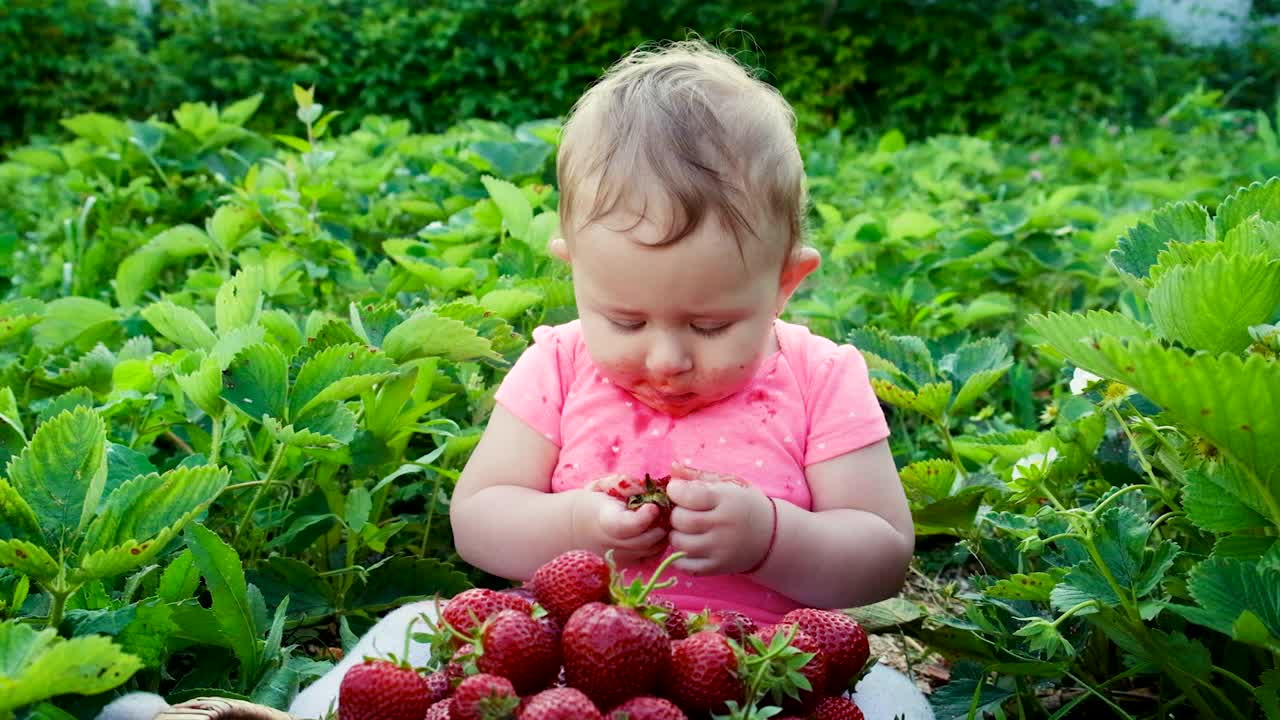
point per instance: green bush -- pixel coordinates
(922, 65)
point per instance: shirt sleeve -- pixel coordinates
(533, 389)
(844, 413)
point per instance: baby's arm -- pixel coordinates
(856, 545)
(507, 521)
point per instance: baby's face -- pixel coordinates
(679, 326)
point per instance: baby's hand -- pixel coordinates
(603, 522)
(722, 524)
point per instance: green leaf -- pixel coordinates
(14, 326)
(1268, 694)
(139, 271)
(150, 504)
(73, 319)
(337, 373)
(29, 559)
(239, 112)
(1121, 541)
(512, 159)
(199, 119)
(426, 334)
(516, 211)
(229, 224)
(1222, 498)
(1236, 416)
(61, 474)
(1077, 337)
(967, 691)
(545, 225)
(37, 664)
(928, 480)
(1043, 636)
(147, 636)
(510, 303)
(359, 505)
(1226, 590)
(98, 128)
(405, 579)
(180, 579)
(1183, 222)
(417, 258)
(1210, 305)
(180, 325)
(203, 385)
(949, 516)
(898, 355)
(1254, 236)
(1258, 199)
(913, 224)
(1036, 586)
(257, 381)
(931, 401)
(240, 300)
(224, 576)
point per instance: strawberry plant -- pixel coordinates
(1134, 541)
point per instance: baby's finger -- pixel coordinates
(696, 495)
(696, 565)
(680, 471)
(623, 523)
(694, 546)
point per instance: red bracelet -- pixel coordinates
(773, 536)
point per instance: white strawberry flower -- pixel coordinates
(1081, 380)
(1038, 463)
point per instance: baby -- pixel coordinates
(682, 211)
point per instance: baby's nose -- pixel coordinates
(666, 359)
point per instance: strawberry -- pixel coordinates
(483, 697)
(569, 581)
(439, 686)
(653, 491)
(836, 707)
(439, 711)
(560, 704)
(675, 622)
(703, 675)
(382, 690)
(731, 624)
(615, 652)
(468, 609)
(519, 648)
(647, 707)
(843, 642)
(795, 699)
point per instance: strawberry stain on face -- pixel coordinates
(608, 453)
(757, 396)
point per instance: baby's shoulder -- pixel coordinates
(807, 352)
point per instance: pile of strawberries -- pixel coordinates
(576, 644)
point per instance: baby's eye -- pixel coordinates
(627, 325)
(710, 330)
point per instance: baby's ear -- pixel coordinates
(559, 247)
(799, 264)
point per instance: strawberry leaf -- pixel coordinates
(1238, 598)
(1210, 305)
(256, 381)
(1262, 200)
(37, 664)
(180, 325)
(61, 475)
(1183, 222)
(224, 576)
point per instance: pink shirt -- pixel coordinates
(809, 402)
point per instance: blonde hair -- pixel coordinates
(689, 116)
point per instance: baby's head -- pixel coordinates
(682, 209)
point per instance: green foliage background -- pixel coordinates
(919, 65)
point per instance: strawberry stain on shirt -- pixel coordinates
(641, 420)
(608, 453)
